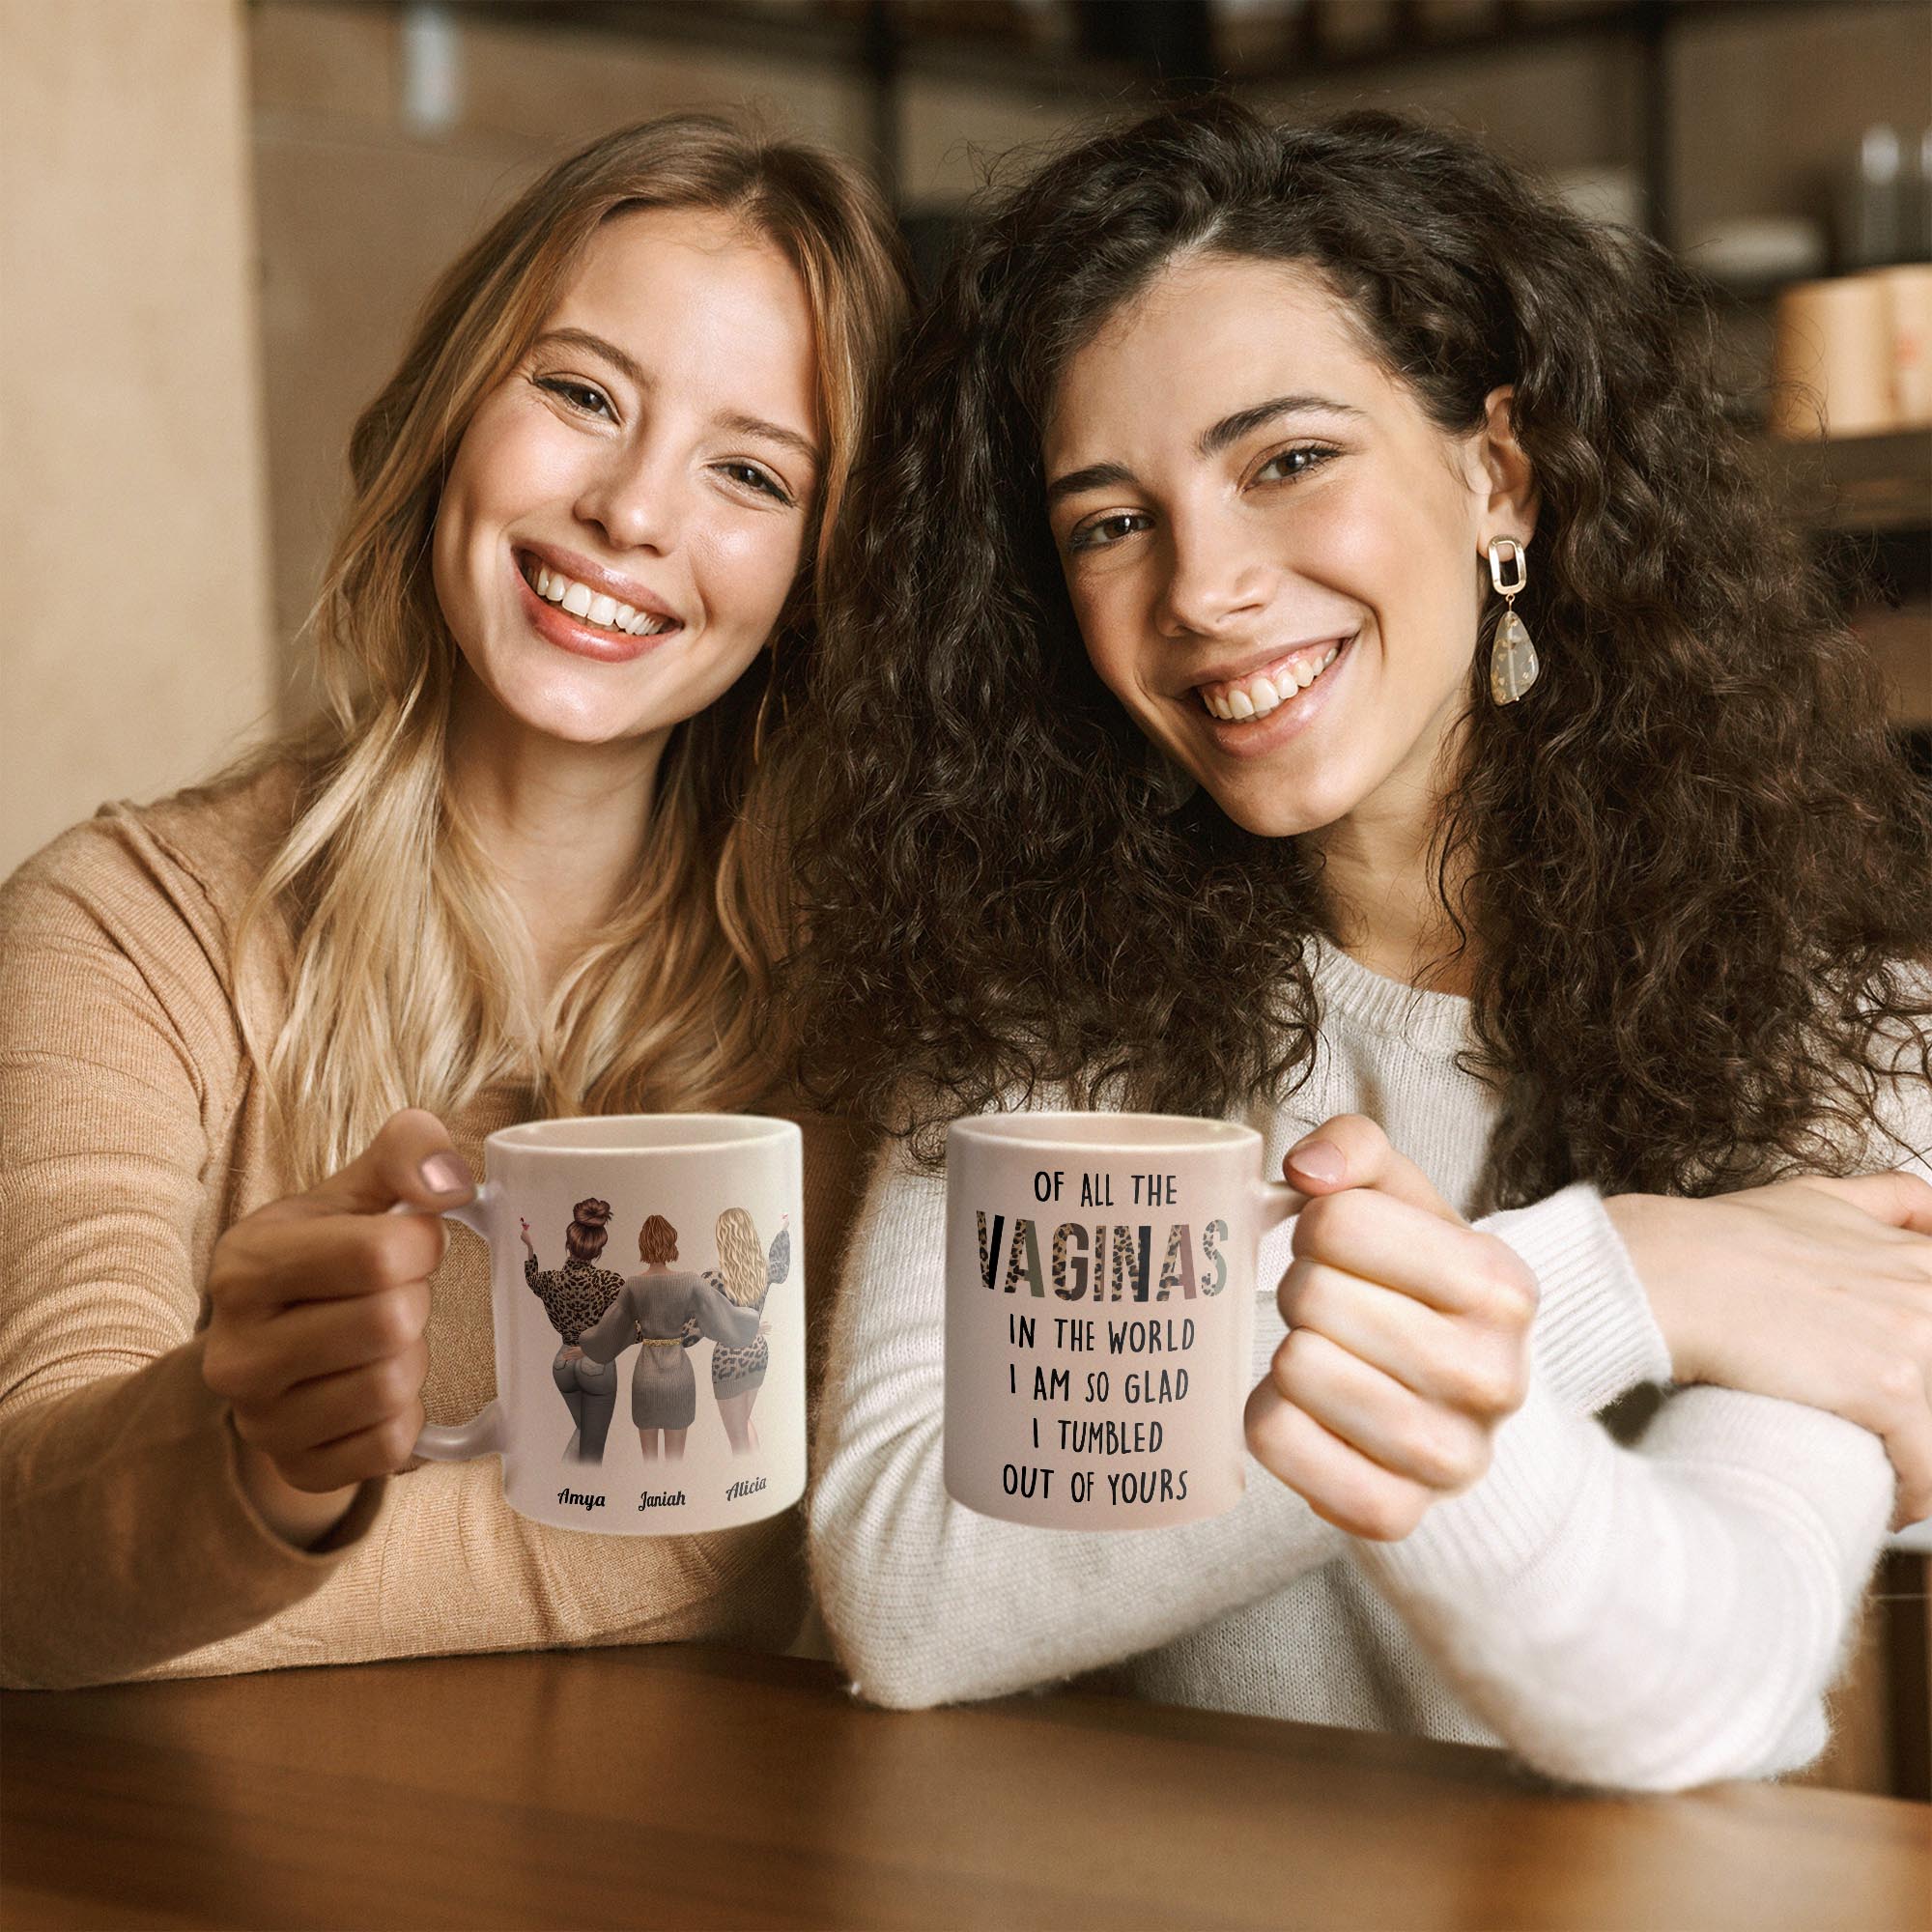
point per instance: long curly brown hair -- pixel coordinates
(1697, 884)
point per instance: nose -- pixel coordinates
(636, 498)
(1217, 577)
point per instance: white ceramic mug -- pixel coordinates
(1100, 1315)
(652, 1381)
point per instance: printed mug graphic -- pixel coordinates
(1100, 1315)
(661, 1312)
(587, 1320)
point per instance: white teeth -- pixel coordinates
(594, 607)
(1259, 694)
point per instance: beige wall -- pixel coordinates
(132, 537)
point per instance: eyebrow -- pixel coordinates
(1095, 476)
(1244, 422)
(634, 373)
(1230, 430)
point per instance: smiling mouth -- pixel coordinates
(1242, 700)
(594, 608)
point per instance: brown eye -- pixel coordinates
(1103, 533)
(592, 402)
(1290, 464)
(754, 478)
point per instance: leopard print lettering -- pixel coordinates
(1061, 1237)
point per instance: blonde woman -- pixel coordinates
(746, 1274)
(526, 865)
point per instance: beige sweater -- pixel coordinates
(134, 1131)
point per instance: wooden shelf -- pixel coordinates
(861, 37)
(1859, 484)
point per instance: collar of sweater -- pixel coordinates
(1436, 1023)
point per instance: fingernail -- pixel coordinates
(445, 1174)
(1319, 1160)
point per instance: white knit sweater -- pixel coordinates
(1649, 1618)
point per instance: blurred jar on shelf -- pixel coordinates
(1853, 356)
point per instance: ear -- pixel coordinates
(1503, 477)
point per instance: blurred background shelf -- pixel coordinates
(1868, 501)
(1861, 484)
(1129, 51)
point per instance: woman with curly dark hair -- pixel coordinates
(1319, 655)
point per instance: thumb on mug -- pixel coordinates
(412, 1161)
(1350, 1150)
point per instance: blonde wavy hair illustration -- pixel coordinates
(412, 980)
(741, 1257)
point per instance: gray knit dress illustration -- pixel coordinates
(652, 1312)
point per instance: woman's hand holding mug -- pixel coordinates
(1407, 1344)
(318, 1304)
(1812, 1289)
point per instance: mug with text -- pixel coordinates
(647, 1290)
(1100, 1315)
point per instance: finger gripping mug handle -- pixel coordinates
(483, 1434)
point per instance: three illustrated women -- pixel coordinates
(662, 1312)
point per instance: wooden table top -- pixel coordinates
(689, 1787)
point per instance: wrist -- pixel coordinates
(1646, 1225)
(299, 1517)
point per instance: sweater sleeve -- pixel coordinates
(927, 1602)
(1595, 1337)
(129, 1537)
(1660, 1616)
(1653, 1618)
(720, 1317)
(614, 1332)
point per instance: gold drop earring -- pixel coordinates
(1513, 661)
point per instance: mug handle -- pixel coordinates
(1279, 1201)
(483, 1434)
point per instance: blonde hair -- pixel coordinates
(741, 1257)
(412, 980)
